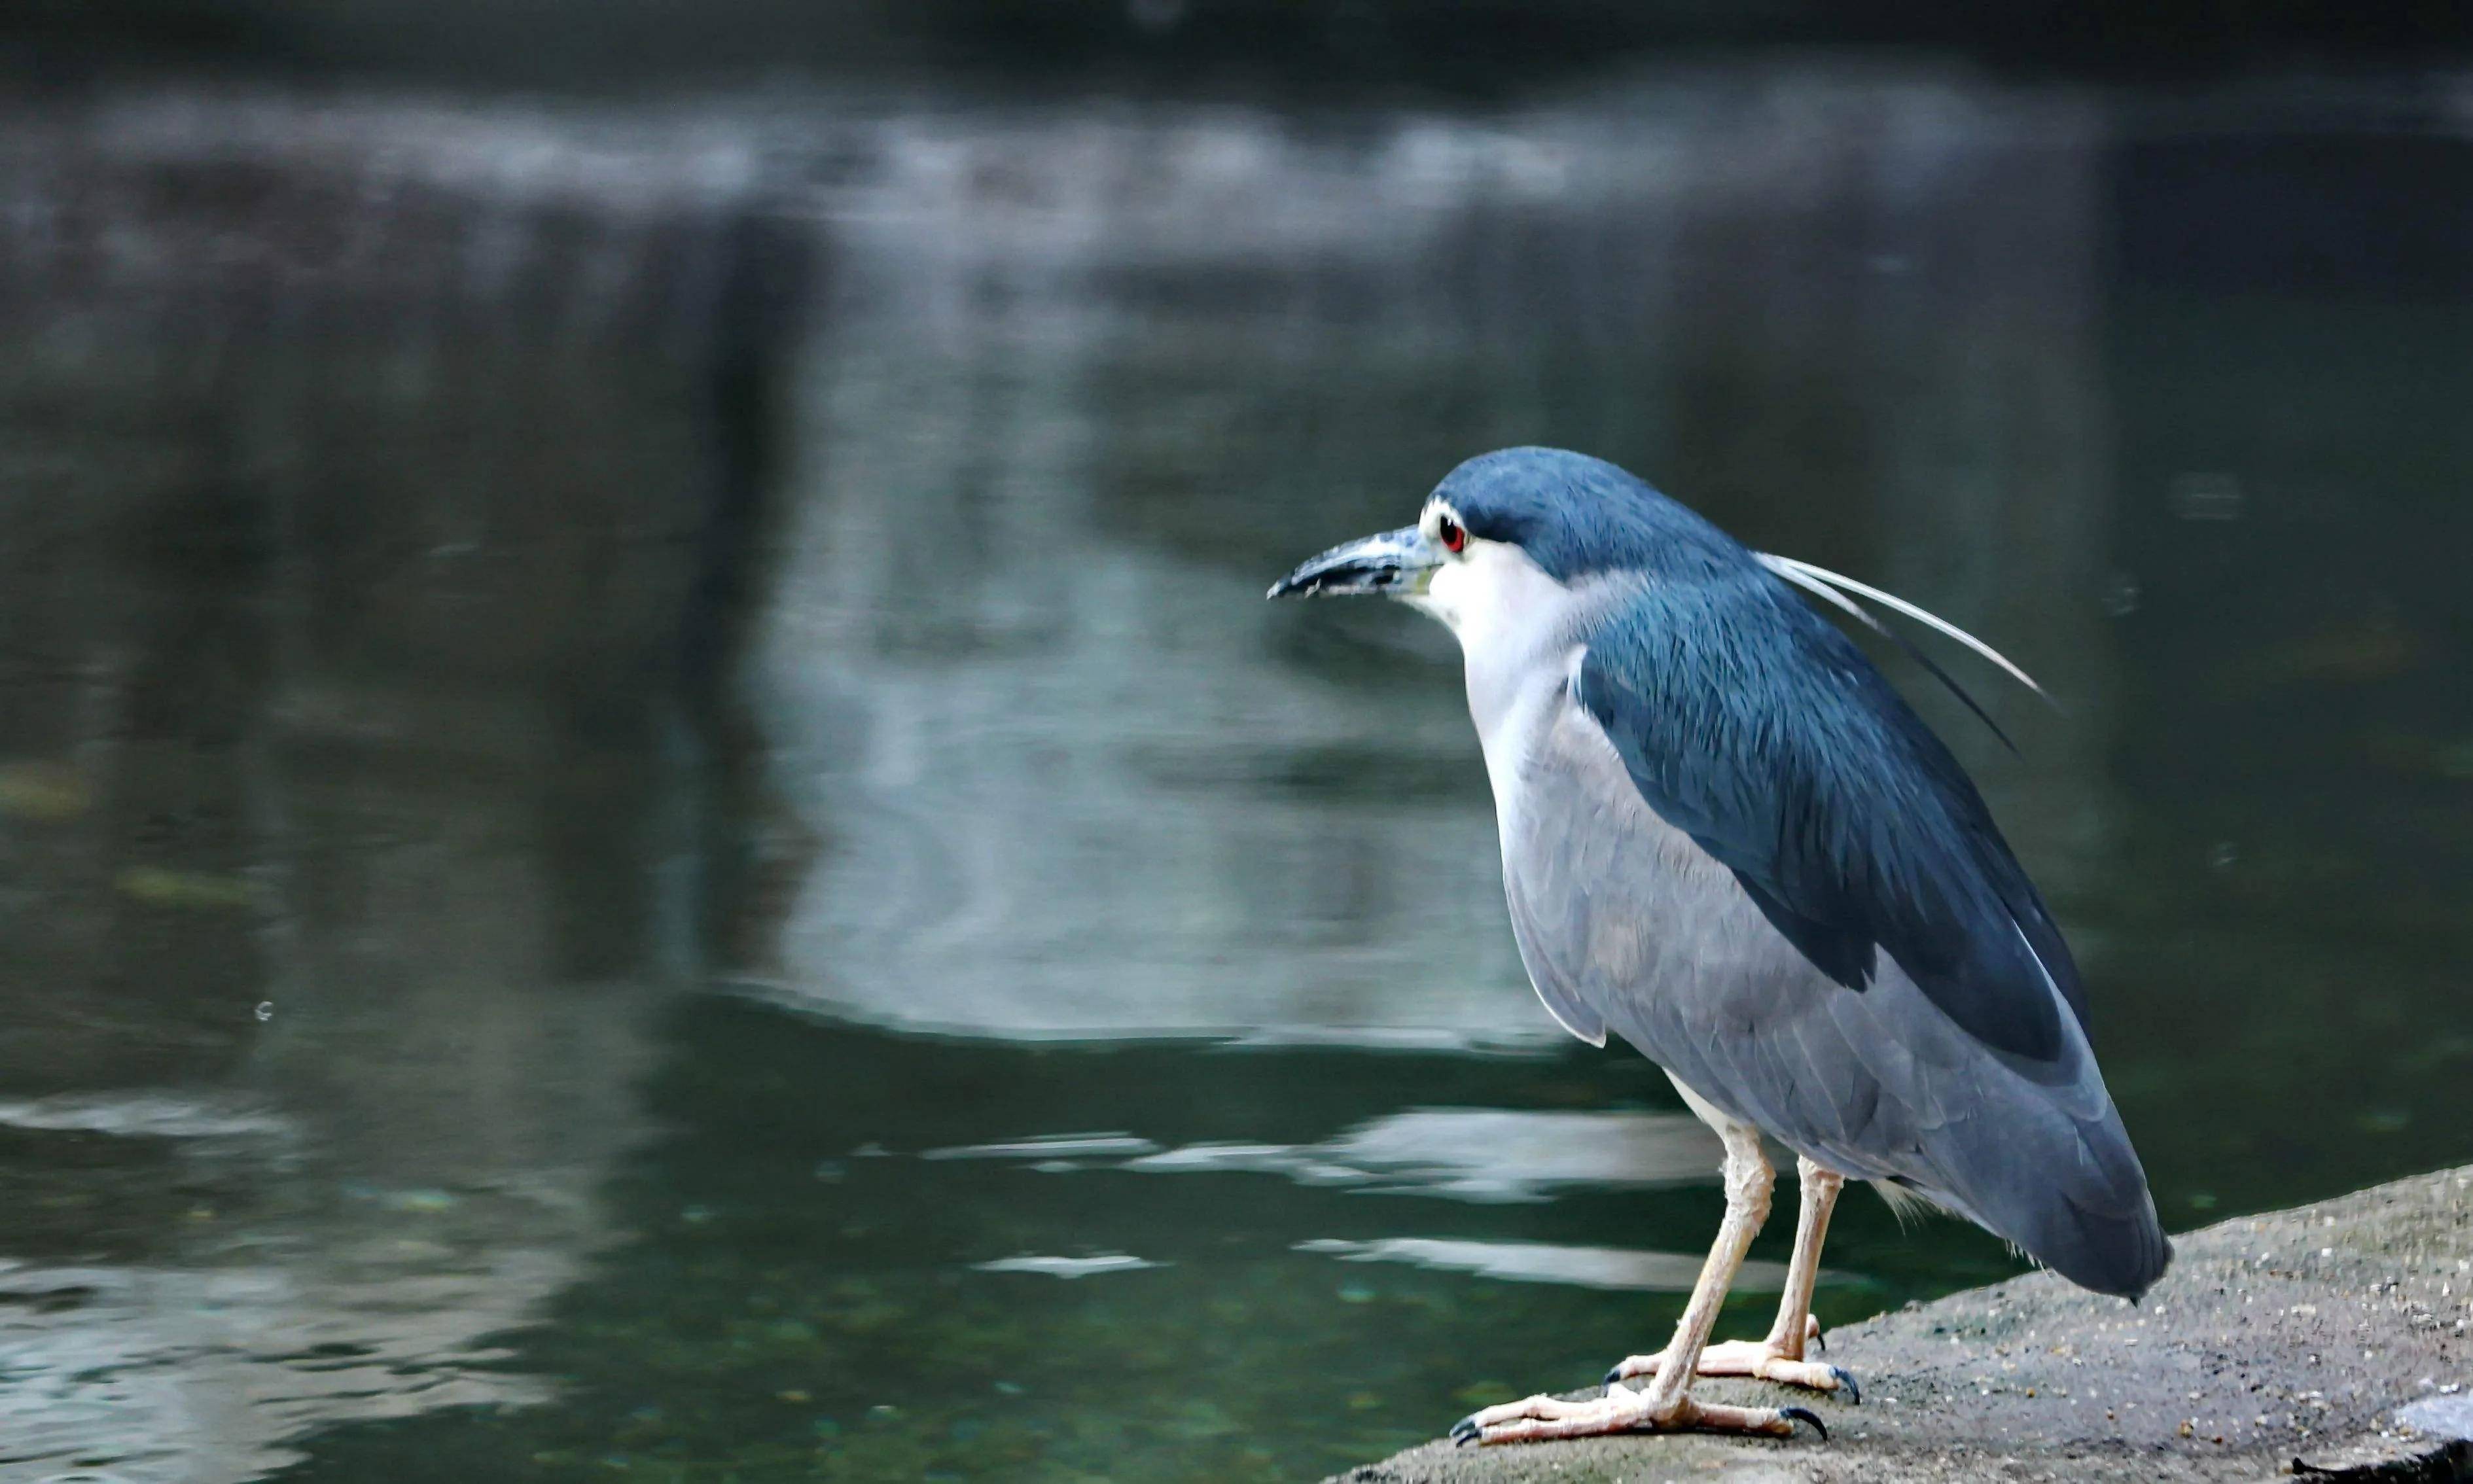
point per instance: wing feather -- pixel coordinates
(1766, 736)
(1629, 920)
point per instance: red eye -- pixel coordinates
(1454, 538)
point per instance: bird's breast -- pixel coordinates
(1516, 707)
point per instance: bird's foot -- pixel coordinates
(1761, 1358)
(1537, 1419)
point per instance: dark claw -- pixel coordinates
(1613, 1375)
(1846, 1384)
(1820, 1341)
(1466, 1431)
(1805, 1414)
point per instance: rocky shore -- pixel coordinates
(2326, 1341)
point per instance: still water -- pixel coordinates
(650, 828)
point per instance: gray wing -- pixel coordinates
(1624, 923)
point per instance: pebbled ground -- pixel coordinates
(2330, 1337)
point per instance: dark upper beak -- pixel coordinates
(1396, 564)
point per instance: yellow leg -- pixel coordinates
(1820, 1198)
(1779, 1357)
(1666, 1405)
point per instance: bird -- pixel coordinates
(1728, 840)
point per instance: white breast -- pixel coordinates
(1518, 631)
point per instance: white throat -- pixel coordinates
(1518, 631)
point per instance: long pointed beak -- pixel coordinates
(1397, 564)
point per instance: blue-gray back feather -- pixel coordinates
(1626, 925)
(1756, 728)
(1732, 843)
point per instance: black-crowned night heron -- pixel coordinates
(1727, 839)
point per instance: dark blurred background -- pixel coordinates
(646, 799)
(1396, 47)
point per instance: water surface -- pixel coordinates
(650, 825)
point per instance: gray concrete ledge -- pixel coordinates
(2333, 1337)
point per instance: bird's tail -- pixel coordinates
(2069, 1192)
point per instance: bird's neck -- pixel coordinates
(1521, 633)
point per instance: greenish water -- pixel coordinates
(658, 832)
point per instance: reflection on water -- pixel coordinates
(1087, 380)
(1065, 1267)
(1538, 1262)
(644, 788)
(1474, 1154)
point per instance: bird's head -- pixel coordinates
(1517, 535)
(1517, 529)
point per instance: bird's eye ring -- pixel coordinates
(1453, 537)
